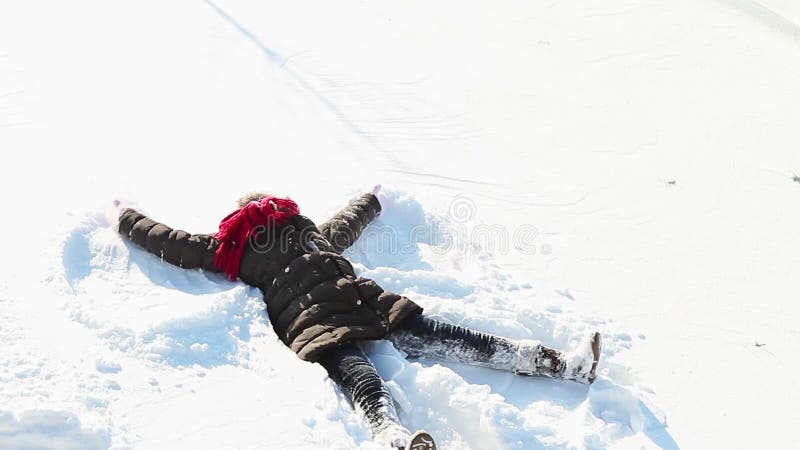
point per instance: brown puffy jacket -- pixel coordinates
(314, 299)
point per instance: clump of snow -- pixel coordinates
(107, 366)
(47, 429)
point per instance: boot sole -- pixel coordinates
(421, 440)
(597, 344)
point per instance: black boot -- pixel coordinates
(421, 440)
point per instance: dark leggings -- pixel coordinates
(349, 367)
(417, 336)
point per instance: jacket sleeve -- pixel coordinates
(343, 229)
(177, 247)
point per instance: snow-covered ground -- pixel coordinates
(549, 168)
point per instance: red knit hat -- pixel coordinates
(236, 229)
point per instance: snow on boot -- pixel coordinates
(420, 440)
(392, 435)
(535, 359)
(529, 359)
(581, 365)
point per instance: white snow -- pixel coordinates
(549, 168)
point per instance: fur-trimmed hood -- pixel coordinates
(251, 197)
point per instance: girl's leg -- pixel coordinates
(360, 382)
(421, 336)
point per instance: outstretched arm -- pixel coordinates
(343, 229)
(177, 247)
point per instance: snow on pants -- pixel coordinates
(417, 336)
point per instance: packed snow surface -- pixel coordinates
(549, 169)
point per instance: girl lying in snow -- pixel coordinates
(321, 310)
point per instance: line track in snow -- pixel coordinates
(284, 64)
